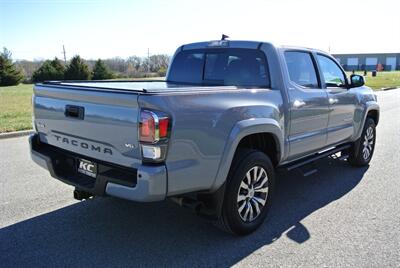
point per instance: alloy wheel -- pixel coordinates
(252, 194)
(368, 143)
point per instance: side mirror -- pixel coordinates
(356, 80)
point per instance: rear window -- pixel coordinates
(301, 69)
(229, 67)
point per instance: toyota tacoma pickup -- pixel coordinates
(210, 136)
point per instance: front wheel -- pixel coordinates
(363, 148)
(248, 193)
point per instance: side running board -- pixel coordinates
(310, 159)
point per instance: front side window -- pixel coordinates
(332, 74)
(229, 67)
(301, 69)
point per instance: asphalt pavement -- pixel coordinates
(339, 217)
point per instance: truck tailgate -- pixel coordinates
(98, 124)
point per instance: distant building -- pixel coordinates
(369, 62)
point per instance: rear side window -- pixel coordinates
(230, 67)
(301, 69)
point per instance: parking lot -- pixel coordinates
(340, 216)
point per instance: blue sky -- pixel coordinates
(101, 29)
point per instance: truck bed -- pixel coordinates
(107, 107)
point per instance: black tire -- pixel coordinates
(363, 149)
(231, 220)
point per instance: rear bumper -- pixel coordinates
(144, 184)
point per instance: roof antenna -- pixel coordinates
(224, 36)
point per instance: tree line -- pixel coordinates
(12, 73)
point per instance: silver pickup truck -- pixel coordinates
(210, 136)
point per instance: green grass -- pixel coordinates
(15, 108)
(382, 79)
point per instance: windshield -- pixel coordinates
(229, 67)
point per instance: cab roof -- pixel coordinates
(242, 44)
(224, 43)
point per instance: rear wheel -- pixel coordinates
(363, 148)
(248, 193)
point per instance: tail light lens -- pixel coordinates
(153, 127)
(147, 127)
(163, 124)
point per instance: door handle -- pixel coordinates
(333, 100)
(298, 103)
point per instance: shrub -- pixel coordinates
(101, 71)
(10, 75)
(77, 70)
(162, 71)
(49, 70)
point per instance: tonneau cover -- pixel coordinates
(151, 86)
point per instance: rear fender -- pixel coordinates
(238, 132)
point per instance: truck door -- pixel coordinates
(308, 105)
(342, 101)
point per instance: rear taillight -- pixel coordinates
(152, 127)
(154, 130)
